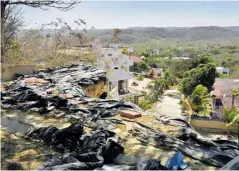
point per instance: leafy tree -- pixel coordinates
(144, 53)
(202, 60)
(204, 73)
(169, 79)
(177, 68)
(157, 89)
(139, 67)
(125, 51)
(144, 66)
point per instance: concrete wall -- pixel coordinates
(8, 71)
(213, 126)
(113, 61)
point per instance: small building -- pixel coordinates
(222, 95)
(142, 57)
(115, 64)
(136, 59)
(223, 70)
(181, 58)
(156, 73)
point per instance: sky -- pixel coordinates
(124, 14)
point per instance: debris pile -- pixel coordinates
(61, 93)
(82, 152)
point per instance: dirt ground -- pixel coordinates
(14, 149)
(31, 154)
(142, 85)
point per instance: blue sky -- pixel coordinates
(123, 14)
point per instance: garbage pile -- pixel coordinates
(212, 152)
(61, 91)
(82, 152)
(94, 150)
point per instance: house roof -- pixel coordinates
(222, 90)
(136, 59)
(157, 69)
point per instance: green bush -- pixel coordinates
(140, 77)
(146, 104)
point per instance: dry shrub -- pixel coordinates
(61, 46)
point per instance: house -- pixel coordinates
(222, 95)
(156, 73)
(223, 70)
(115, 64)
(181, 58)
(136, 59)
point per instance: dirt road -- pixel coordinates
(169, 104)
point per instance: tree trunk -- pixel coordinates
(3, 7)
(233, 99)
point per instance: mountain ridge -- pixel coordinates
(134, 34)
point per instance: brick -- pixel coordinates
(129, 114)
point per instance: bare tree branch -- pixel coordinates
(8, 5)
(12, 22)
(45, 4)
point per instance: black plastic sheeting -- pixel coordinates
(66, 81)
(232, 165)
(212, 152)
(140, 165)
(78, 151)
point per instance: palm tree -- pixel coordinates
(234, 121)
(231, 116)
(198, 103)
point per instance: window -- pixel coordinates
(102, 55)
(110, 54)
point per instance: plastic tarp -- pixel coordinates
(77, 151)
(212, 152)
(60, 90)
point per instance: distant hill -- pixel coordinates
(139, 34)
(234, 28)
(130, 35)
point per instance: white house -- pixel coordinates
(223, 70)
(116, 64)
(181, 58)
